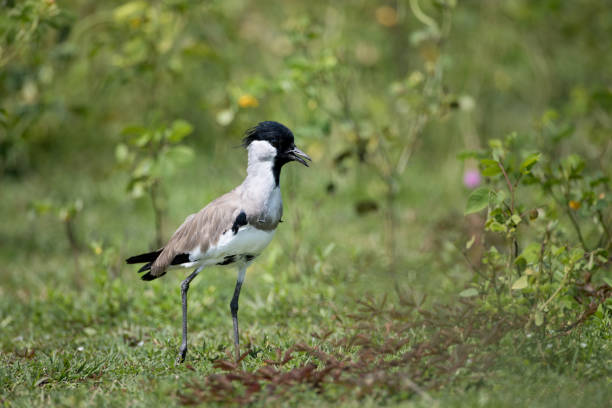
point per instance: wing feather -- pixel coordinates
(199, 230)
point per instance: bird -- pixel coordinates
(235, 228)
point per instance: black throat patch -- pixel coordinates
(279, 162)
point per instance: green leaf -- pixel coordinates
(491, 171)
(180, 128)
(133, 130)
(576, 254)
(129, 10)
(121, 152)
(520, 283)
(599, 180)
(142, 140)
(495, 144)
(470, 292)
(470, 242)
(529, 162)
(591, 261)
(137, 187)
(488, 162)
(143, 169)
(575, 164)
(499, 197)
(179, 154)
(538, 318)
(42, 207)
(490, 167)
(531, 254)
(558, 251)
(495, 226)
(478, 200)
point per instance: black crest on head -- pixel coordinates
(277, 134)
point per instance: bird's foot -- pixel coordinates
(181, 357)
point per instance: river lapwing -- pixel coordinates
(236, 227)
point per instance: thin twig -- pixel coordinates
(510, 189)
(422, 17)
(603, 224)
(561, 285)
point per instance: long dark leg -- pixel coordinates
(184, 288)
(234, 308)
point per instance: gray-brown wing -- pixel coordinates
(199, 230)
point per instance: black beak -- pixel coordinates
(296, 154)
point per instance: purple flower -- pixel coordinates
(471, 178)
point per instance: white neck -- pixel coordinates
(260, 175)
(259, 188)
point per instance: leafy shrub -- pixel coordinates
(548, 249)
(25, 28)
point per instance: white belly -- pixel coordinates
(248, 240)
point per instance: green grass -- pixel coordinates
(100, 336)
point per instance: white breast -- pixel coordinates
(248, 240)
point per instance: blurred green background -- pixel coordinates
(117, 119)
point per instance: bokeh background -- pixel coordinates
(117, 119)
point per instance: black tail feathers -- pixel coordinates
(145, 267)
(149, 277)
(149, 257)
(148, 260)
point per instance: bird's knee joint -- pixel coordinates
(185, 286)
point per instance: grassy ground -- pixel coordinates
(94, 334)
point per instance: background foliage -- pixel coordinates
(119, 118)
